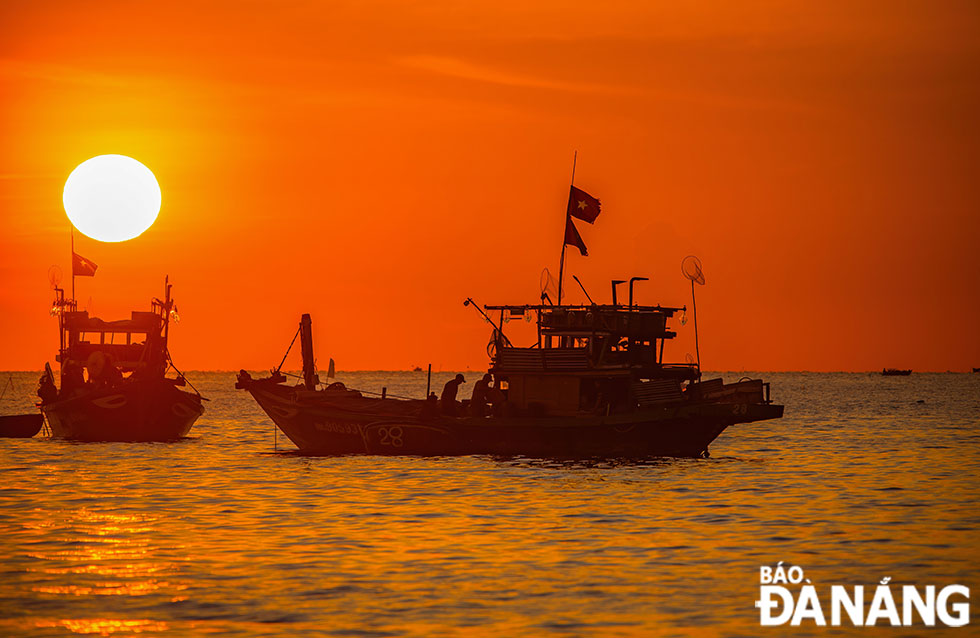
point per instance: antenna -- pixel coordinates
(575, 277)
(469, 302)
(691, 268)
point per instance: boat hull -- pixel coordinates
(346, 426)
(20, 426)
(151, 410)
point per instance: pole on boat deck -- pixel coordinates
(616, 282)
(632, 281)
(306, 343)
(697, 348)
(428, 382)
(579, 282)
(72, 226)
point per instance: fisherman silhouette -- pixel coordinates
(46, 389)
(481, 392)
(449, 395)
(496, 398)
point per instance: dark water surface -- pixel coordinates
(866, 477)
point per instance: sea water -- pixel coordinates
(231, 532)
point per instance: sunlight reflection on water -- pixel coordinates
(216, 534)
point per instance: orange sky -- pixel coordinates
(374, 163)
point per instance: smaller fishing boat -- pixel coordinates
(114, 383)
(895, 372)
(20, 426)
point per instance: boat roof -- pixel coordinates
(604, 308)
(140, 321)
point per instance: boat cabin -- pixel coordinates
(127, 343)
(589, 359)
(110, 348)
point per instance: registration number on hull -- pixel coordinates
(338, 428)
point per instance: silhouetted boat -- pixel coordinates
(895, 372)
(20, 426)
(146, 405)
(595, 385)
(976, 369)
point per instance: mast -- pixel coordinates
(166, 309)
(306, 344)
(561, 265)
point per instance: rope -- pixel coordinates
(279, 367)
(171, 362)
(387, 394)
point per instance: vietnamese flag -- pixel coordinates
(582, 205)
(572, 237)
(81, 267)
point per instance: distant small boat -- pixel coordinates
(20, 426)
(895, 372)
(976, 369)
(419, 369)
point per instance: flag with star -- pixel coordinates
(582, 205)
(572, 238)
(81, 267)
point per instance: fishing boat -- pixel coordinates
(895, 372)
(20, 426)
(114, 384)
(594, 385)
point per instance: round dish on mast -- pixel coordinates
(548, 287)
(691, 267)
(54, 276)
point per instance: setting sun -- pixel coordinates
(112, 198)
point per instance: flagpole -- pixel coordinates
(561, 264)
(72, 231)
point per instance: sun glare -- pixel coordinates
(112, 198)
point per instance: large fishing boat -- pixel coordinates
(594, 385)
(114, 384)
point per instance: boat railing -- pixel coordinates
(743, 390)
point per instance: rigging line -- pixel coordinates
(171, 362)
(387, 394)
(279, 367)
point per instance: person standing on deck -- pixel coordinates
(481, 393)
(448, 399)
